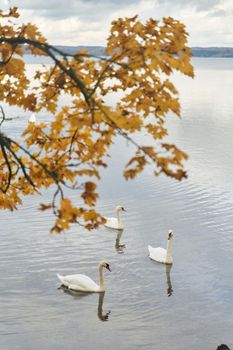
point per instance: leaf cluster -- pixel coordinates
(69, 152)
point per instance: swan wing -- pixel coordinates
(158, 254)
(113, 223)
(79, 282)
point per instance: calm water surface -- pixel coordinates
(146, 306)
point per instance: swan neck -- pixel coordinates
(169, 248)
(101, 279)
(118, 217)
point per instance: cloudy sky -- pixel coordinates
(86, 22)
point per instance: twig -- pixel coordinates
(3, 116)
(9, 169)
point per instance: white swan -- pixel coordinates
(115, 223)
(84, 283)
(160, 254)
(32, 118)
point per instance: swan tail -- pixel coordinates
(150, 249)
(61, 278)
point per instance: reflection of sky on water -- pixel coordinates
(199, 210)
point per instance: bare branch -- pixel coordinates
(3, 116)
(22, 166)
(48, 49)
(9, 169)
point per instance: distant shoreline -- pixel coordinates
(222, 52)
(226, 52)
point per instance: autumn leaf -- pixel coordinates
(70, 151)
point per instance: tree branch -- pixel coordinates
(9, 169)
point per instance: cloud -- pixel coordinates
(198, 5)
(87, 22)
(61, 9)
(218, 13)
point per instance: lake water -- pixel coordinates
(146, 305)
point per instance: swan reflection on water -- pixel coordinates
(101, 315)
(168, 277)
(78, 295)
(169, 284)
(118, 246)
